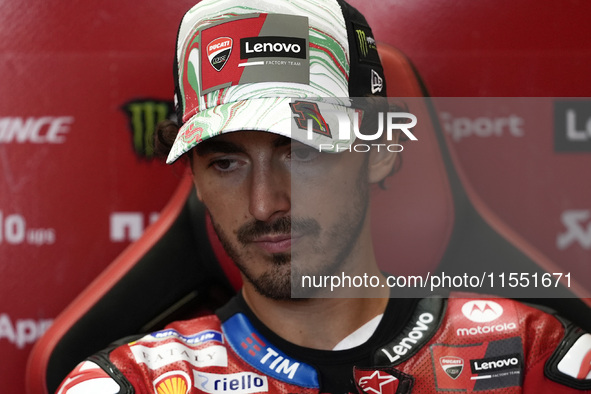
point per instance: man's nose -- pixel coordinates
(269, 193)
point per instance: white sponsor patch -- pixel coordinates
(486, 329)
(481, 311)
(160, 356)
(241, 382)
(89, 378)
(577, 361)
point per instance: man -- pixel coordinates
(262, 89)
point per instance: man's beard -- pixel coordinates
(276, 282)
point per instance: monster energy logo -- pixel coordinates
(366, 43)
(362, 42)
(144, 115)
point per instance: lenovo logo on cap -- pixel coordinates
(218, 52)
(253, 47)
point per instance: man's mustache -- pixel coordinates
(250, 231)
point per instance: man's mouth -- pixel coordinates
(276, 243)
(278, 237)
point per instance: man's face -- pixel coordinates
(280, 207)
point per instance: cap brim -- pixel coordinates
(273, 115)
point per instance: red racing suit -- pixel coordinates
(431, 345)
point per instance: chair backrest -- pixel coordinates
(178, 268)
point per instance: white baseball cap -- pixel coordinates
(266, 65)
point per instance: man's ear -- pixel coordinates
(381, 160)
(197, 191)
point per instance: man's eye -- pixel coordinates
(224, 165)
(304, 154)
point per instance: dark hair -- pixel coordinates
(164, 136)
(372, 106)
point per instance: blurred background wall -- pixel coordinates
(83, 83)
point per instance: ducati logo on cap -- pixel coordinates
(218, 52)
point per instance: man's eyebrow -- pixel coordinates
(216, 146)
(221, 146)
(281, 141)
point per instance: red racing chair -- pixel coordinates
(178, 269)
